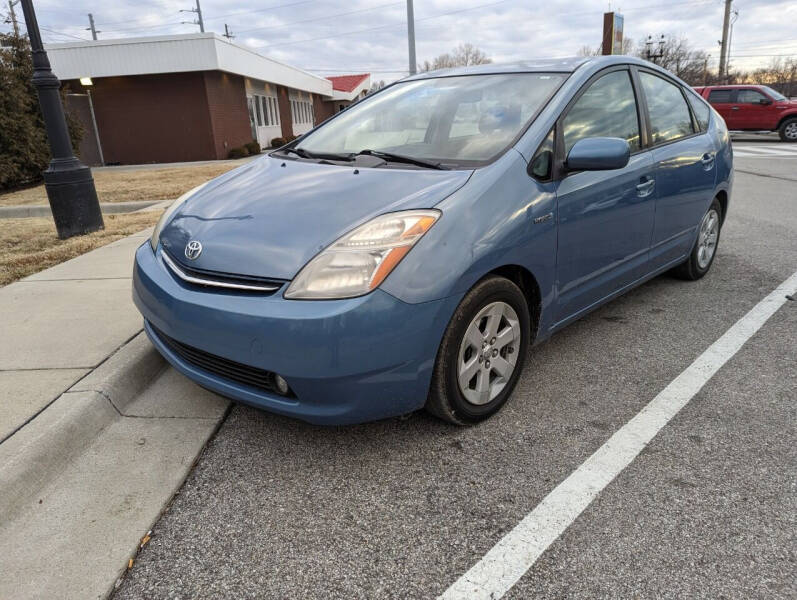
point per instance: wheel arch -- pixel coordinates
(525, 280)
(784, 118)
(722, 196)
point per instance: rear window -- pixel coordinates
(719, 96)
(700, 110)
(669, 115)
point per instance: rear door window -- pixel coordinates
(700, 110)
(606, 109)
(669, 114)
(720, 96)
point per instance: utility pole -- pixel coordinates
(13, 16)
(726, 19)
(199, 21)
(227, 33)
(411, 36)
(91, 28)
(734, 17)
(69, 184)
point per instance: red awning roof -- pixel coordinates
(347, 83)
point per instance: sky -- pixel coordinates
(354, 36)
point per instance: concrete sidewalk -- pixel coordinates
(61, 323)
(96, 433)
(22, 211)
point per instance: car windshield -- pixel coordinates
(776, 95)
(466, 120)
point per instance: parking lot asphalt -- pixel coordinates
(401, 508)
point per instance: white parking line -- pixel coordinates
(517, 551)
(758, 150)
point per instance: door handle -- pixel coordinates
(645, 188)
(708, 161)
(734, 108)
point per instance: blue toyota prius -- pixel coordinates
(409, 251)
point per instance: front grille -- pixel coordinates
(246, 283)
(228, 369)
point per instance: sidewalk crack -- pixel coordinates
(108, 398)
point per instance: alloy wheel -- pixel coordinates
(707, 239)
(488, 353)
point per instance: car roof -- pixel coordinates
(537, 65)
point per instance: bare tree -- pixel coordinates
(780, 73)
(586, 50)
(692, 65)
(677, 55)
(463, 55)
(376, 86)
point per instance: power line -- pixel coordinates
(63, 33)
(453, 12)
(142, 27)
(322, 18)
(259, 10)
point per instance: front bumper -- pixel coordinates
(347, 361)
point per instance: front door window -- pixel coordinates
(606, 109)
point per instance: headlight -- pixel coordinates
(167, 215)
(359, 261)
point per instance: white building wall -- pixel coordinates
(264, 94)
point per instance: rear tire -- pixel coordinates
(788, 131)
(705, 249)
(482, 353)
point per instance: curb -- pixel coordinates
(43, 210)
(39, 451)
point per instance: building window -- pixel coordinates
(266, 110)
(259, 110)
(302, 112)
(276, 110)
(271, 115)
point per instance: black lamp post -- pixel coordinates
(69, 184)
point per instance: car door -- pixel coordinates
(685, 167)
(722, 100)
(755, 111)
(605, 218)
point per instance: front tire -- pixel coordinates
(482, 353)
(705, 249)
(788, 131)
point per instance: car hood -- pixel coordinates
(270, 217)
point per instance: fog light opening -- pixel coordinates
(282, 385)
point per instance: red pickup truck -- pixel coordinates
(753, 108)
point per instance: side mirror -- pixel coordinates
(598, 154)
(765, 101)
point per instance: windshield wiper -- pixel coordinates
(401, 158)
(317, 155)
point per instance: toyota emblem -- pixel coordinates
(193, 249)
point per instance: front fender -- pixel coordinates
(486, 224)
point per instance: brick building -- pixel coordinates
(186, 97)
